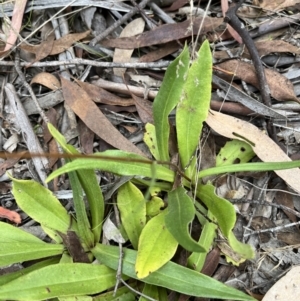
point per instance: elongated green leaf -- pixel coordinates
(259, 166)
(24, 251)
(171, 276)
(225, 214)
(41, 205)
(11, 234)
(89, 184)
(167, 98)
(118, 162)
(156, 246)
(18, 245)
(84, 228)
(196, 260)
(14, 275)
(181, 211)
(192, 110)
(60, 280)
(132, 206)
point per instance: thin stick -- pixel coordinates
(161, 64)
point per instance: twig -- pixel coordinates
(233, 20)
(264, 203)
(137, 292)
(33, 144)
(161, 64)
(275, 229)
(126, 17)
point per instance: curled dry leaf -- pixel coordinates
(123, 55)
(264, 147)
(46, 79)
(280, 87)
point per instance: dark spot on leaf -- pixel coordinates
(243, 149)
(236, 161)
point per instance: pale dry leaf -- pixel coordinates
(123, 55)
(287, 288)
(111, 232)
(275, 5)
(46, 79)
(264, 147)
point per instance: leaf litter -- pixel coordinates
(112, 109)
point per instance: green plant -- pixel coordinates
(153, 230)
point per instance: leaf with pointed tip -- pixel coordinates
(192, 109)
(167, 98)
(181, 212)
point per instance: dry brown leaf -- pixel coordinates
(263, 48)
(287, 288)
(59, 45)
(100, 95)
(159, 53)
(46, 79)
(266, 47)
(123, 55)
(286, 199)
(80, 102)
(280, 87)
(16, 23)
(165, 33)
(264, 147)
(275, 5)
(44, 50)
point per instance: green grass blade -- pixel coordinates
(118, 162)
(259, 166)
(84, 227)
